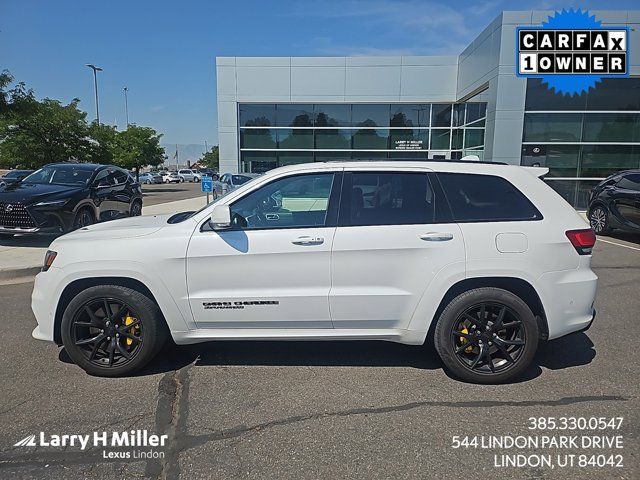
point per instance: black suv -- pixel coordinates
(62, 197)
(615, 203)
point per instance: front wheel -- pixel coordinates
(599, 220)
(136, 209)
(197, 179)
(109, 330)
(486, 335)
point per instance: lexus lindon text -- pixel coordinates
(480, 260)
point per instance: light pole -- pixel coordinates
(126, 104)
(95, 87)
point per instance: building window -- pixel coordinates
(280, 134)
(600, 136)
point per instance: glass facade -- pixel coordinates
(582, 139)
(272, 135)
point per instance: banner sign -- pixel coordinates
(571, 52)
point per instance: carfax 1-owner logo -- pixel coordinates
(572, 52)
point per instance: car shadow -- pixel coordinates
(28, 241)
(571, 351)
(631, 237)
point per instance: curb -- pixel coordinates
(11, 274)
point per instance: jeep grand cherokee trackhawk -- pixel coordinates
(483, 260)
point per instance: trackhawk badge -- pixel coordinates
(237, 305)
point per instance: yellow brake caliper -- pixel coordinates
(128, 320)
(463, 340)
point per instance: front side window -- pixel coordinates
(485, 198)
(387, 198)
(297, 201)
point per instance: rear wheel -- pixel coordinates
(84, 218)
(486, 335)
(599, 220)
(110, 330)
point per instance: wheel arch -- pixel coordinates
(77, 286)
(519, 287)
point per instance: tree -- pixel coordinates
(137, 147)
(34, 133)
(103, 141)
(212, 158)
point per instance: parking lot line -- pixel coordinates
(618, 244)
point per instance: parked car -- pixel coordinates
(615, 203)
(188, 175)
(209, 172)
(62, 197)
(170, 177)
(150, 178)
(14, 176)
(231, 181)
(483, 261)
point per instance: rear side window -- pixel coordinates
(630, 182)
(387, 198)
(485, 198)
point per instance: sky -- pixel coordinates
(164, 52)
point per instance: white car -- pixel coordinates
(187, 175)
(170, 177)
(480, 260)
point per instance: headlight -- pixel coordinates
(53, 203)
(49, 257)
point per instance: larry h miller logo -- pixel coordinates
(132, 443)
(571, 52)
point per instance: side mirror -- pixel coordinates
(221, 217)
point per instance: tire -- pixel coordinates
(146, 318)
(485, 348)
(196, 179)
(167, 181)
(599, 220)
(84, 218)
(136, 209)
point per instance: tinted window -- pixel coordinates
(385, 198)
(485, 198)
(120, 177)
(240, 179)
(295, 201)
(630, 182)
(257, 115)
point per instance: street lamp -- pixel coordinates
(95, 87)
(126, 104)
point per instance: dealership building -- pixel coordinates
(275, 111)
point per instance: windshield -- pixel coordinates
(60, 175)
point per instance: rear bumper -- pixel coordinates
(568, 297)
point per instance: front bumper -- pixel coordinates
(44, 303)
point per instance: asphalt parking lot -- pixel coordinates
(320, 410)
(169, 192)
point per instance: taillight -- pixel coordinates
(582, 240)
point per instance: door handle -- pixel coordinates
(436, 236)
(308, 241)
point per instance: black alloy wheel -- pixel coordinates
(136, 209)
(599, 220)
(486, 335)
(110, 330)
(84, 218)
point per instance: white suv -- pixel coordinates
(188, 175)
(481, 260)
